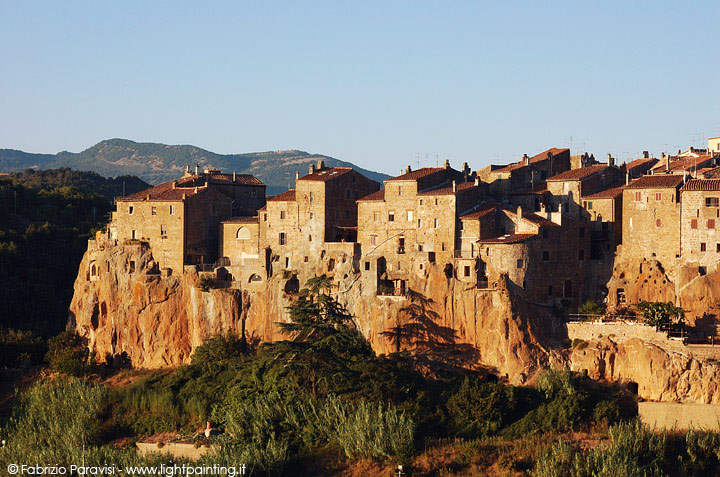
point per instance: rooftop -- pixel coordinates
(536, 189)
(418, 174)
(287, 196)
(510, 238)
(578, 174)
(379, 195)
(326, 174)
(657, 181)
(241, 220)
(448, 190)
(485, 209)
(163, 192)
(702, 185)
(611, 192)
(536, 158)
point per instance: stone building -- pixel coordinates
(298, 224)
(527, 172)
(414, 222)
(700, 226)
(180, 220)
(651, 218)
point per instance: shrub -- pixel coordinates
(217, 348)
(20, 348)
(592, 308)
(67, 354)
(205, 283)
(480, 408)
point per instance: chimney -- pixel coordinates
(627, 177)
(477, 181)
(611, 160)
(297, 175)
(646, 155)
(234, 176)
(466, 168)
(320, 165)
(666, 159)
(187, 168)
(454, 186)
(447, 163)
(197, 169)
(526, 159)
(408, 169)
(174, 184)
(519, 219)
(311, 169)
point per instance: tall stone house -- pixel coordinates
(528, 172)
(180, 220)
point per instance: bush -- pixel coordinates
(20, 348)
(592, 308)
(480, 408)
(67, 354)
(217, 348)
(206, 283)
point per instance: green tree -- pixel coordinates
(658, 313)
(67, 354)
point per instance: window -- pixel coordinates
(581, 255)
(163, 230)
(282, 215)
(419, 223)
(214, 209)
(348, 193)
(442, 246)
(693, 224)
(367, 266)
(373, 240)
(282, 239)
(658, 196)
(131, 209)
(420, 201)
(589, 205)
(311, 215)
(305, 259)
(467, 270)
(582, 232)
(391, 216)
(132, 266)
(264, 217)
(133, 234)
(309, 238)
(550, 291)
(420, 247)
(545, 233)
(399, 190)
(702, 271)
(311, 196)
(436, 223)
(520, 263)
(717, 246)
(436, 202)
(703, 247)
(410, 215)
(711, 223)
(638, 196)
(658, 223)
(172, 210)
(153, 210)
(712, 201)
(253, 193)
(347, 214)
(546, 255)
(376, 216)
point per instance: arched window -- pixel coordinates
(254, 278)
(243, 234)
(94, 271)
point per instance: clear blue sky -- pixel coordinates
(369, 82)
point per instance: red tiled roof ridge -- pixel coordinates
(417, 174)
(287, 196)
(701, 185)
(578, 174)
(378, 195)
(326, 174)
(656, 181)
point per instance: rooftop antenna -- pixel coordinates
(427, 159)
(417, 158)
(437, 161)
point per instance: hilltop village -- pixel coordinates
(490, 261)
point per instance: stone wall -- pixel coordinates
(700, 228)
(651, 227)
(676, 416)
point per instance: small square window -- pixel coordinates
(520, 263)
(693, 224)
(264, 217)
(545, 234)
(582, 232)
(153, 210)
(391, 216)
(373, 240)
(711, 223)
(703, 247)
(467, 271)
(658, 223)
(309, 238)
(131, 209)
(712, 201)
(658, 196)
(305, 259)
(399, 190)
(376, 216)
(545, 255)
(172, 210)
(436, 223)
(638, 196)
(282, 215)
(550, 291)
(367, 266)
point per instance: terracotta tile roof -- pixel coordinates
(656, 181)
(685, 163)
(711, 173)
(512, 238)
(639, 163)
(326, 174)
(223, 178)
(163, 192)
(701, 185)
(418, 174)
(287, 196)
(448, 190)
(379, 195)
(578, 174)
(532, 217)
(611, 192)
(484, 210)
(536, 189)
(536, 158)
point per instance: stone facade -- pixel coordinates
(700, 226)
(527, 172)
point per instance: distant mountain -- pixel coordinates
(156, 163)
(85, 181)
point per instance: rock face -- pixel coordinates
(659, 374)
(127, 312)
